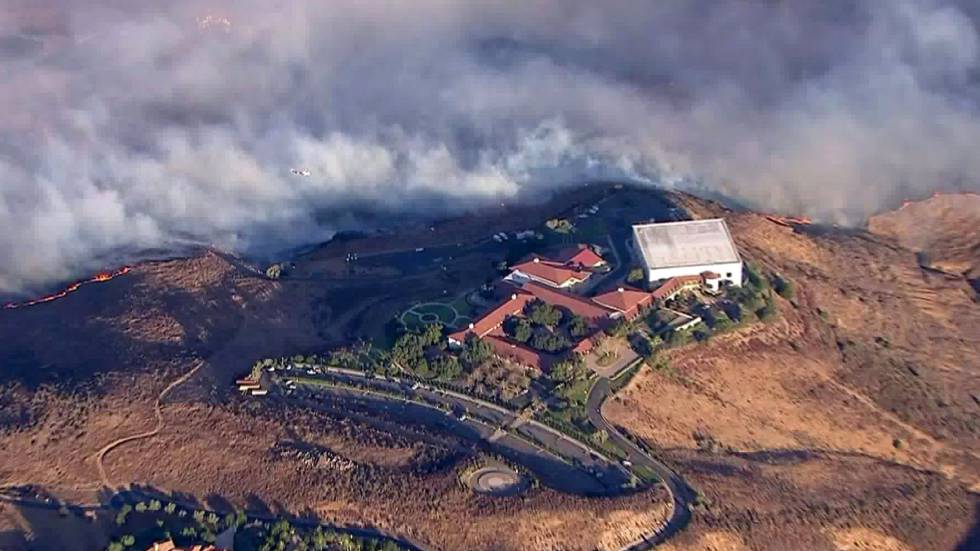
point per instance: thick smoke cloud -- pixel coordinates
(130, 125)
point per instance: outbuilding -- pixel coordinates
(690, 248)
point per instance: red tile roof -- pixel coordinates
(625, 300)
(494, 318)
(673, 285)
(583, 346)
(582, 255)
(575, 304)
(518, 352)
(551, 271)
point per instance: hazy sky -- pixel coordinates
(130, 124)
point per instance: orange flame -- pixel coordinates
(789, 221)
(103, 276)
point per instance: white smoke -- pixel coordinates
(130, 125)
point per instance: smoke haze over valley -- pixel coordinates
(130, 125)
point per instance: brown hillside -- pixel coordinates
(945, 229)
(849, 422)
(866, 389)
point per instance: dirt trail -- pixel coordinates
(99, 456)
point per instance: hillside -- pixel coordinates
(944, 229)
(86, 371)
(848, 421)
(852, 416)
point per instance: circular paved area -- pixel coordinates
(497, 480)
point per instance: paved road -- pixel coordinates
(552, 451)
(483, 417)
(681, 493)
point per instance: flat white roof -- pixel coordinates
(688, 243)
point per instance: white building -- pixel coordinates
(689, 248)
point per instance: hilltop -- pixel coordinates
(849, 418)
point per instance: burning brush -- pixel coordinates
(103, 276)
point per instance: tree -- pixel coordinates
(140, 507)
(768, 311)
(274, 271)
(678, 338)
(446, 367)
(549, 342)
(577, 327)
(568, 370)
(619, 328)
(432, 334)
(752, 276)
(318, 539)
(722, 322)
(635, 275)
(783, 287)
(115, 546)
(127, 540)
(155, 505)
(475, 352)
(599, 437)
(544, 314)
(123, 513)
(519, 329)
(170, 508)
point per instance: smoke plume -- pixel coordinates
(138, 124)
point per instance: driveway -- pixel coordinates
(625, 356)
(559, 460)
(681, 493)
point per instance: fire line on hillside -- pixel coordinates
(97, 278)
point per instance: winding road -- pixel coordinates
(492, 414)
(681, 494)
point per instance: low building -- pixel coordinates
(489, 327)
(547, 272)
(594, 314)
(520, 353)
(492, 321)
(683, 249)
(581, 256)
(568, 268)
(668, 289)
(626, 301)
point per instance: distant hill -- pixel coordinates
(944, 229)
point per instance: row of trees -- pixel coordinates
(424, 354)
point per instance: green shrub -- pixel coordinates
(783, 287)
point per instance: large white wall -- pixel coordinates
(733, 268)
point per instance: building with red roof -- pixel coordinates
(675, 285)
(625, 300)
(581, 256)
(594, 314)
(548, 272)
(520, 353)
(492, 321)
(571, 267)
